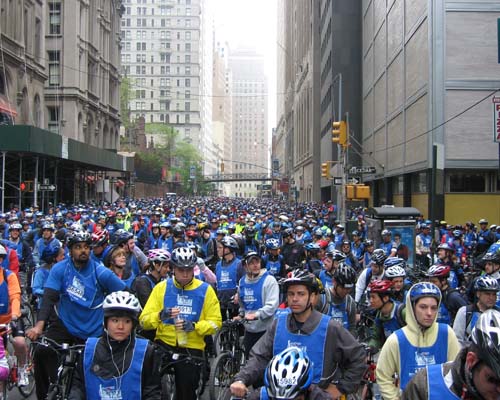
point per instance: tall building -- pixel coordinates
(82, 93)
(166, 58)
(250, 144)
(298, 127)
(424, 63)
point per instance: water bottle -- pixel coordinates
(182, 338)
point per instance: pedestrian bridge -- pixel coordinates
(243, 177)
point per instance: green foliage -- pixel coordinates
(125, 98)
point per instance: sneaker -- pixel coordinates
(23, 379)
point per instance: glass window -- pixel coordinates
(55, 18)
(54, 68)
(467, 182)
(420, 182)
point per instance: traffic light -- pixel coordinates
(325, 170)
(22, 186)
(339, 133)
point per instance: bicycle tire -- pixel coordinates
(218, 338)
(168, 387)
(26, 391)
(54, 393)
(204, 375)
(221, 376)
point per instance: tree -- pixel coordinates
(125, 98)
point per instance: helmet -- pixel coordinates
(345, 276)
(48, 226)
(50, 252)
(318, 232)
(486, 284)
(230, 243)
(438, 271)
(288, 374)
(272, 244)
(121, 303)
(165, 225)
(15, 226)
(221, 231)
(251, 254)
(457, 233)
(492, 256)
(483, 221)
(287, 233)
(78, 237)
(158, 255)
(445, 246)
(355, 233)
(301, 277)
(250, 231)
(336, 255)
(392, 261)
(121, 236)
(312, 247)
(3, 251)
(485, 337)
(378, 256)
(380, 286)
(183, 257)
(178, 231)
(386, 232)
(192, 234)
(100, 238)
(369, 242)
(155, 225)
(424, 289)
(394, 271)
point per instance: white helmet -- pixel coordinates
(121, 304)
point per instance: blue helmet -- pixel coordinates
(272, 244)
(424, 289)
(392, 261)
(312, 247)
(51, 251)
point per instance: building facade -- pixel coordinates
(250, 144)
(82, 92)
(424, 64)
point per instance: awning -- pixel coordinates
(5, 107)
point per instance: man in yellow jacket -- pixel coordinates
(183, 310)
(421, 342)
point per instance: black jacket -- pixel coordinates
(150, 376)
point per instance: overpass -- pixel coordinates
(243, 177)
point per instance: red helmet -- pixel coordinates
(100, 238)
(192, 234)
(439, 271)
(380, 286)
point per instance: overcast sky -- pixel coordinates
(251, 22)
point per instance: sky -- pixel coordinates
(251, 22)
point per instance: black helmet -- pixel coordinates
(485, 336)
(301, 277)
(230, 243)
(287, 233)
(178, 231)
(378, 256)
(79, 237)
(486, 283)
(251, 254)
(121, 236)
(345, 276)
(250, 231)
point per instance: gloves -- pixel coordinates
(166, 313)
(188, 326)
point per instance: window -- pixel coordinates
(419, 181)
(188, 11)
(187, 106)
(188, 46)
(55, 18)
(187, 58)
(188, 119)
(53, 119)
(188, 70)
(188, 23)
(188, 35)
(187, 94)
(188, 82)
(54, 76)
(467, 182)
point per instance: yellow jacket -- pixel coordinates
(209, 322)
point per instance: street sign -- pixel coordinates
(354, 180)
(496, 119)
(362, 170)
(49, 187)
(337, 180)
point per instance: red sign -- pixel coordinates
(496, 119)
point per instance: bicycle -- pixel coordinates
(169, 359)
(68, 357)
(228, 362)
(13, 376)
(366, 390)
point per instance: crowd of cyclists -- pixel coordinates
(139, 278)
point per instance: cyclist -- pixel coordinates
(208, 246)
(367, 255)
(446, 256)
(474, 374)
(375, 271)
(258, 296)
(77, 285)
(229, 271)
(390, 248)
(338, 302)
(421, 342)
(313, 263)
(289, 376)
(22, 248)
(10, 313)
(329, 345)
(100, 241)
(486, 289)
(292, 251)
(272, 261)
(350, 259)
(52, 254)
(183, 306)
(394, 270)
(47, 237)
(116, 261)
(423, 242)
(136, 260)
(485, 238)
(118, 365)
(331, 262)
(451, 300)
(389, 314)
(492, 265)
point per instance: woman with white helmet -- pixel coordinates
(118, 365)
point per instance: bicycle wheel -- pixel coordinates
(221, 376)
(204, 375)
(55, 393)
(168, 387)
(220, 342)
(27, 390)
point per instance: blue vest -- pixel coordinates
(326, 279)
(273, 267)
(313, 344)
(4, 293)
(263, 393)
(391, 325)
(190, 302)
(443, 316)
(226, 275)
(80, 289)
(127, 387)
(426, 240)
(436, 386)
(251, 293)
(412, 358)
(387, 247)
(338, 312)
